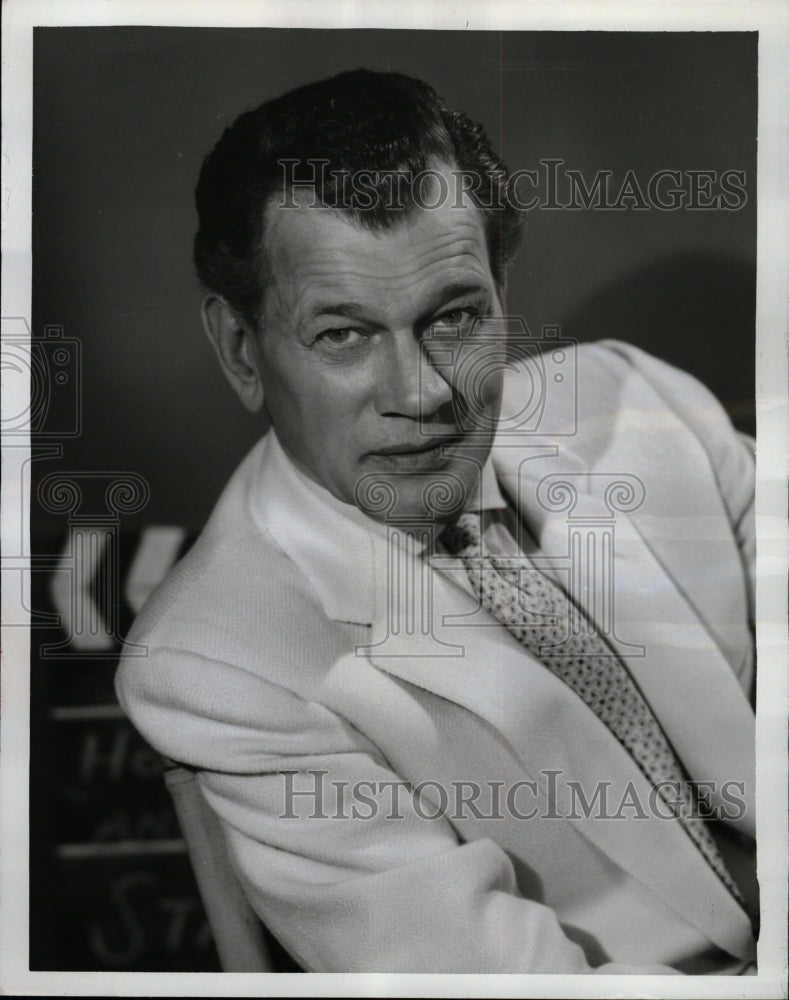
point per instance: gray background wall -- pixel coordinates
(123, 117)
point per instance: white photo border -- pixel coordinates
(771, 19)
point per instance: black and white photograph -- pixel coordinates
(394, 500)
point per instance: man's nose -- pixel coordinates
(409, 385)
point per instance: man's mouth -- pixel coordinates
(422, 445)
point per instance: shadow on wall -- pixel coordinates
(682, 309)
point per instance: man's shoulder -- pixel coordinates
(574, 392)
(236, 593)
(220, 636)
(216, 672)
(566, 371)
(609, 406)
(229, 567)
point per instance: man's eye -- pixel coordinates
(455, 318)
(345, 337)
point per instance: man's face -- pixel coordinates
(350, 381)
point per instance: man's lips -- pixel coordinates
(417, 447)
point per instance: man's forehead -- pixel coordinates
(312, 240)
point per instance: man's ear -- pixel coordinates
(234, 343)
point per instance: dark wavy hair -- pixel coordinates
(358, 121)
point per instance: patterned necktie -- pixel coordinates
(532, 607)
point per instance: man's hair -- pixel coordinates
(333, 131)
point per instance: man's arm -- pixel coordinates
(378, 889)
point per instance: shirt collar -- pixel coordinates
(489, 496)
(334, 543)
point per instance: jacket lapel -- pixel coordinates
(671, 653)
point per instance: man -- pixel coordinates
(463, 656)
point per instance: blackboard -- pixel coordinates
(111, 887)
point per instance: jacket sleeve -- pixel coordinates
(338, 858)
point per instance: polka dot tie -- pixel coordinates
(533, 608)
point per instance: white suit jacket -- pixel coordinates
(271, 650)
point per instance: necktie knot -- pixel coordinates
(462, 537)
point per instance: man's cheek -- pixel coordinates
(478, 388)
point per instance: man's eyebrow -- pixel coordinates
(459, 290)
(355, 310)
(474, 291)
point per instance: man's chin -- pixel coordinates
(400, 493)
